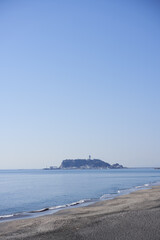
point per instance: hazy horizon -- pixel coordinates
(79, 78)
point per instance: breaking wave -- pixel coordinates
(51, 209)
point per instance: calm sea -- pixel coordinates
(24, 191)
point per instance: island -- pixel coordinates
(85, 164)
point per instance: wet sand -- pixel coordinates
(134, 216)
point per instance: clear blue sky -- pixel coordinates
(79, 78)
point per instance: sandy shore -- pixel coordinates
(135, 216)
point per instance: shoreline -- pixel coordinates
(132, 216)
(80, 203)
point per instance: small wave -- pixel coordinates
(118, 193)
(73, 204)
(130, 190)
(76, 203)
(29, 213)
(7, 216)
(107, 196)
(14, 216)
(57, 207)
(123, 192)
(41, 210)
(143, 186)
(61, 206)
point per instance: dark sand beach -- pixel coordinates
(132, 216)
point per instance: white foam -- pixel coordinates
(70, 204)
(7, 216)
(146, 185)
(57, 207)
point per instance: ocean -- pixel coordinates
(29, 193)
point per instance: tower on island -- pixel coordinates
(89, 157)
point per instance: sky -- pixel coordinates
(79, 78)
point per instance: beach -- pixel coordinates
(132, 216)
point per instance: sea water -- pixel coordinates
(26, 192)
